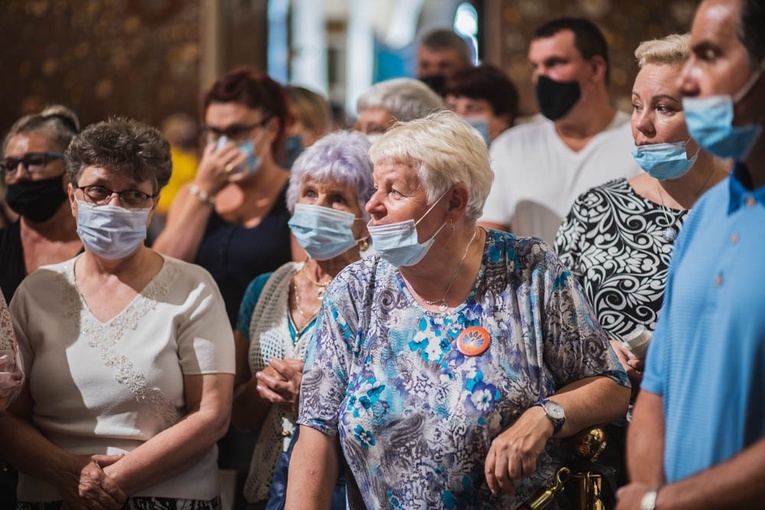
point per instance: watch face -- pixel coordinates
(554, 410)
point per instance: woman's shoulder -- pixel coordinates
(518, 253)
(618, 186)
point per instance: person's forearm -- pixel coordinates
(185, 228)
(313, 471)
(645, 440)
(177, 448)
(591, 401)
(737, 483)
(31, 453)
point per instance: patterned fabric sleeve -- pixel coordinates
(11, 374)
(567, 241)
(325, 375)
(576, 346)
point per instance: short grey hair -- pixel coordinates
(57, 122)
(404, 98)
(671, 50)
(444, 150)
(341, 157)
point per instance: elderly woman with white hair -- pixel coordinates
(443, 365)
(399, 99)
(329, 184)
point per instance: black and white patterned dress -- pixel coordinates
(613, 241)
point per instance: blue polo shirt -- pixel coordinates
(707, 358)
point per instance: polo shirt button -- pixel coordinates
(734, 237)
(719, 279)
(750, 201)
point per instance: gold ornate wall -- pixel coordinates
(99, 57)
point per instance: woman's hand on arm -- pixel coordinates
(279, 383)
(179, 447)
(513, 453)
(313, 470)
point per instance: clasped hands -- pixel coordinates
(85, 485)
(514, 452)
(279, 382)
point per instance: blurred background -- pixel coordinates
(151, 58)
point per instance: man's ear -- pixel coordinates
(599, 68)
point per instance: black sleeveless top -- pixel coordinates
(234, 255)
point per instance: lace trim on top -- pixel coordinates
(7, 336)
(106, 336)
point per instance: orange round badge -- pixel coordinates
(473, 341)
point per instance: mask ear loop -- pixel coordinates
(698, 148)
(749, 85)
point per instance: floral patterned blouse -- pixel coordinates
(415, 416)
(613, 242)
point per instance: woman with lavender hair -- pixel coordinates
(330, 183)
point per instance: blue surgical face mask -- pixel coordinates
(253, 161)
(323, 233)
(710, 122)
(398, 243)
(111, 232)
(481, 124)
(664, 160)
(292, 148)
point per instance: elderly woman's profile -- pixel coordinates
(442, 366)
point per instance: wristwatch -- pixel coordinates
(649, 500)
(554, 412)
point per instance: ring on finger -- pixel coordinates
(229, 168)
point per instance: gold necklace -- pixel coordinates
(297, 303)
(441, 303)
(322, 286)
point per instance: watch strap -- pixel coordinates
(557, 423)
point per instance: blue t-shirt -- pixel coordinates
(414, 415)
(707, 358)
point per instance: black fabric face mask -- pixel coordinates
(556, 98)
(436, 82)
(37, 201)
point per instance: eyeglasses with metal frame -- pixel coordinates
(101, 195)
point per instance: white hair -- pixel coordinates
(341, 157)
(404, 98)
(444, 150)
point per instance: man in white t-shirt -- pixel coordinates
(540, 168)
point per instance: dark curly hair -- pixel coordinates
(121, 145)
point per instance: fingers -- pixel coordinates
(106, 460)
(275, 389)
(288, 368)
(499, 472)
(98, 491)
